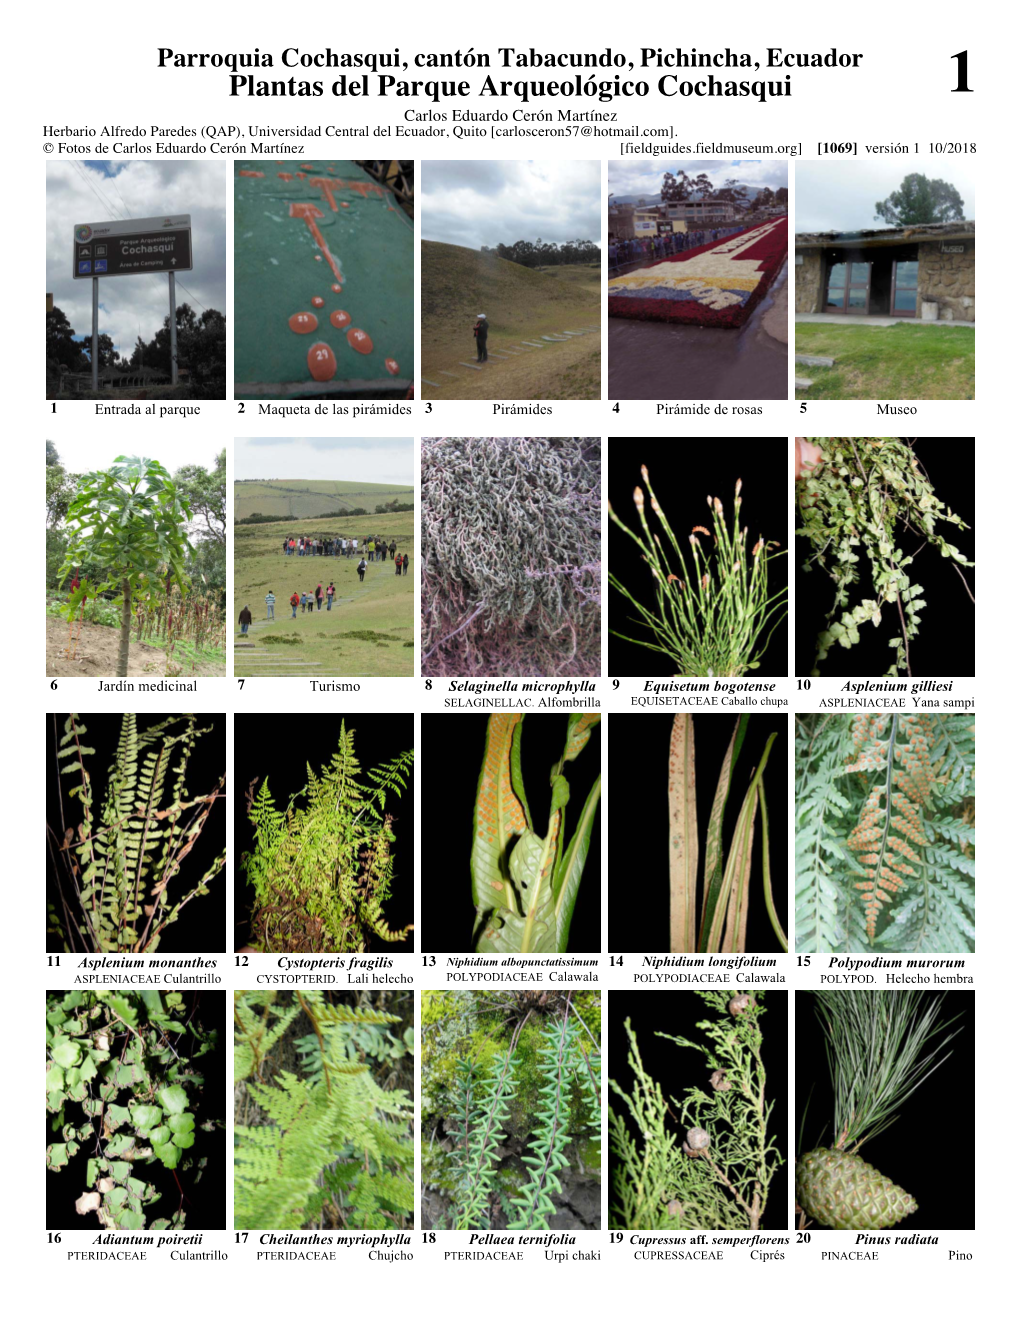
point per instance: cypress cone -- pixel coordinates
(844, 1191)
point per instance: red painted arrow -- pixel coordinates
(309, 213)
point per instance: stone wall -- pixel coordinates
(808, 281)
(946, 278)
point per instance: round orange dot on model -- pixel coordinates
(392, 367)
(359, 340)
(318, 302)
(303, 323)
(321, 361)
(339, 319)
(337, 288)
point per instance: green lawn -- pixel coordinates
(887, 362)
(368, 632)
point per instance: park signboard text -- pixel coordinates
(156, 245)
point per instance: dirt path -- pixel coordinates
(96, 655)
(519, 369)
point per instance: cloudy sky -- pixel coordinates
(842, 194)
(94, 454)
(389, 462)
(85, 192)
(644, 177)
(479, 203)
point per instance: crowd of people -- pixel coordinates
(629, 251)
(374, 547)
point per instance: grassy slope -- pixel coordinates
(304, 499)
(382, 610)
(458, 283)
(888, 362)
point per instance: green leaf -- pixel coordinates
(184, 1139)
(182, 1122)
(146, 1116)
(168, 1154)
(174, 1099)
(65, 1052)
(571, 868)
(56, 1155)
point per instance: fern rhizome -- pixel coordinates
(323, 870)
(116, 867)
(520, 1113)
(328, 1145)
(885, 833)
(871, 498)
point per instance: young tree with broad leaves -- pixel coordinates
(130, 521)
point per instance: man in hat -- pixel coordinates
(482, 336)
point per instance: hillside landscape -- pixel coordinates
(520, 304)
(295, 498)
(370, 629)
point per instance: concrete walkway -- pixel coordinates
(825, 318)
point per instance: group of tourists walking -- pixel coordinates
(337, 547)
(308, 602)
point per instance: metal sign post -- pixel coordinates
(95, 336)
(132, 247)
(173, 332)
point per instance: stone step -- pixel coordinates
(807, 360)
(532, 344)
(473, 365)
(452, 374)
(801, 383)
(436, 383)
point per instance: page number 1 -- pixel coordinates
(961, 72)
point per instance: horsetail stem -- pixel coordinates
(722, 623)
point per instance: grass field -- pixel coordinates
(306, 499)
(887, 362)
(368, 632)
(457, 283)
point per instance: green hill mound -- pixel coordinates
(295, 498)
(457, 283)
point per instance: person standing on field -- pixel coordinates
(318, 596)
(404, 566)
(361, 571)
(482, 337)
(330, 593)
(295, 601)
(270, 605)
(244, 619)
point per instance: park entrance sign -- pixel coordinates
(132, 247)
(155, 246)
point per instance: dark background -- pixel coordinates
(676, 1068)
(639, 912)
(282, 747)
(944, 646)
(683, 472)
(455, 745)
(203, 1188)
(929, 1150)
(201, 926)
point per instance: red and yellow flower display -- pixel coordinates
(718, 283)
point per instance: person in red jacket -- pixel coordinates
(295, 601)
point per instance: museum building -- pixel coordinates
(920, 271)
